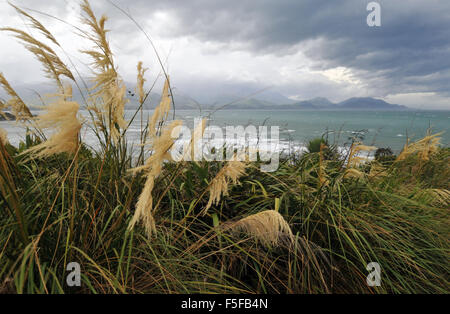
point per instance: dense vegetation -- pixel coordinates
(138, 222)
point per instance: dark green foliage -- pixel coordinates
(78, 210)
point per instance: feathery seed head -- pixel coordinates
(140, 81)
(161, 112)
(153, 167)
(219, 185)
(353, 159)
(61, 117)
(268, 227)
(36, 24)
(18, 107)
(424, 148)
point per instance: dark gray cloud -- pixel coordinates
(409, 53)
(412, 44)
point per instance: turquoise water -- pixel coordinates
(384, 128)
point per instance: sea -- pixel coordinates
(377, 128)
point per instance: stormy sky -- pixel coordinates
(298, 48)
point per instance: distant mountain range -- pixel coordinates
(231, 100)
(319, 103)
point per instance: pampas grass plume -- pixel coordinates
(219, 185)
(153, 167)
(61, 117)
(268, 227)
